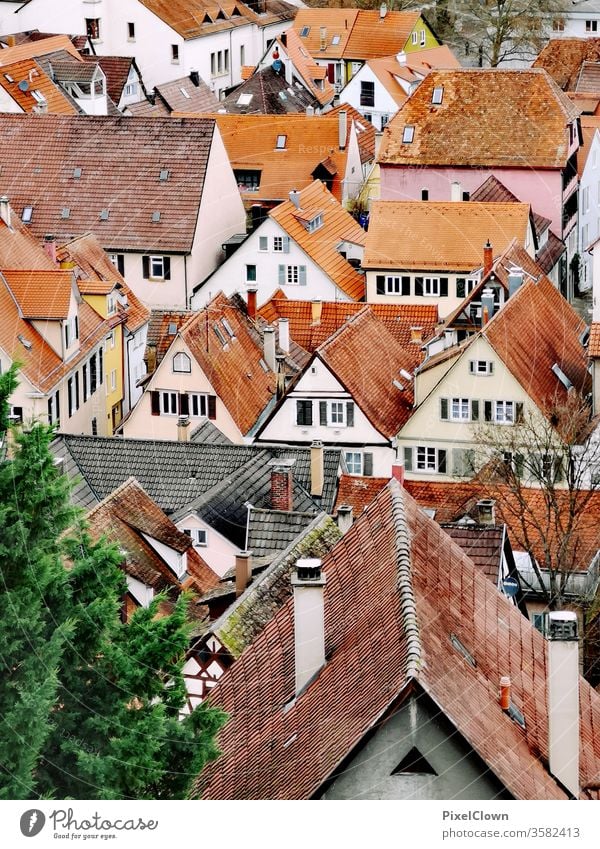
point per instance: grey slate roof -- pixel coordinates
(270, 95)
(208, 434)
(177, 473)
(270, 531)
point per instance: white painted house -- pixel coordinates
(589, 199)
(577, 19)
(309, 247)
(168, 39)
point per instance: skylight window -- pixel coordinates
(66, 212)
(164, 175)
(24, 342)
(281, 142)
(336, 39)
(156, 216)
(244, 99)
(228, 327)
(184, 92)
(304, 32)
(408, 134)
(463, 650)
(438, 94)
(8, 78)
(38, 96)
(27, 214)
(104, 215)
(77, 173)
(282, 95)
(219, 335)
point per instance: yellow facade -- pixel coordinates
(114, 368)
(421, 38)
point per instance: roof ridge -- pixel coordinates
(408, 605)
(126, 483)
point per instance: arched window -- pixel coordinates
(181, 362)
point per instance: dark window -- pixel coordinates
(84, 380)
(101, 366)
(304, 413)
(174, 53)
(70, 395)
(248, 181)
(413, 763)
(367, 93)
(94, 426)
(131, 30)
(93, 375)
(424, 194)
(92, 27)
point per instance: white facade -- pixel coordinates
(259, 262)
(359, 439)
(217, 551)
(579, 19)
(384, 106)
(589, 212)
(161, 54)
(134, 348)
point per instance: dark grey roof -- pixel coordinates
(208, 434)
(175, 474)
(270, 531)
(269, 94)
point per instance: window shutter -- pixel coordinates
(155, 403)
(408, 452)
(472, 367)
(519, 411)
(300, 413)
(443, 287)
(492, 367)
(367, 464)
(406, 286)
(442, 461)
(121, 264)
(184, 404)
(350, 414)
(460, 288)
(212, 406)
(469, 462)
(167, 267)
(444, 409)
(323, 413)
(286, 244)
(418, 285)
(146, 267)
(558, 469)
(519, 465)
(308, 413)
(380, 284)
(474, 410)
(100, 366)
(487, 411)
(282, 275)
(302, 275)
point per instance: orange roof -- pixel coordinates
(563, 59)
(513, 119)
(310, 333)
(365, 131)
(251, 144)
(19, 249)
(357, 492)
(291, 43)
(424, 235)
(232, 364)
(195, 18)
(338, 25)
(589, 125)
(413, 68)
(41, 294)
(366, 358)
(322, 244)
(32, 49)
(37, 80)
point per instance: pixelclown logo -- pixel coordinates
(32, 822)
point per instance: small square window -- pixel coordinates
(408, 134)
(281, 142)
(27, 215)
(304, 32)
(156, 216)
(336, 39)
(263, 243)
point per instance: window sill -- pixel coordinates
(156, 279)
(174, 61)
(219, 74)
(131, 40)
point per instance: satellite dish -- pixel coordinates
(24, 85)
(510, 587)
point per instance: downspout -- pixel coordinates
(185, 280)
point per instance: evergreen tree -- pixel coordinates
(34, 511)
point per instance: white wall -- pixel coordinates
(7, 104)
(589, 211)
(218, 552)
(134, 348)
(575, 24)
(385, 105)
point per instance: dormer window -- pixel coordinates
(408, 134)
(315, 223)
(281, 142)
(438, 94)
(182, 363)
(111, 306)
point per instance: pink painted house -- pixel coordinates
(461, 126)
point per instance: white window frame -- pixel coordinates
(423, 38)
(198, 405)
(182, 357)
(338, 414)
(426, 459)
(415, 37)
(156, 262)
(408, 134)
(113, 380)
(110, 341)
(199, 536)
(316, 222)
(111, 304)
(431, 287)
(168, 399)
(459, 409)
(481, 368)
(591, 26)
(504, 412)
(263, 244)
(292, 275)
(278, 244)
(354, 462)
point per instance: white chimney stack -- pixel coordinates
(5, 210)
(295, 198)
(455, 191)
(308, 582)
(284, 334)
(344, 518)
(342, 128)
(269, 347)
(183, 429)
(563, 698)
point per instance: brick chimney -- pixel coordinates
(488, 258)
(251, 294)
(563, 698)
(398, 471)
(50, 247)
(282, 480)
(308, 582)
(317, 469)
(505, 692)
(243, 571)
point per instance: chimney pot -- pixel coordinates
(5, 210)
(269, 347)
(515, 280)
(251, 296)
(195, 78)
(50, 246)
(183, 429)
(316, 309)
(505, 692)
(317, 469)
(563, 698)
(416, 335)
(342, 128)
(486, 511)
(282, 481)
(284, 334)
(344, 518)
(295, 198)
(308, 582)
(243, 571)
(488, 258)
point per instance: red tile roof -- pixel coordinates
(41, 294)
(424, 588)
(305, 67)
(367, 358)
(365, 131)
(589, 125)
(563, 59)
(233, 367)
(120, 160)
(413, 67)
(493, 191)
(322, 244)
(38, 47)
(116, 70)
(487, 118)
(357, 492)
(594, 341)
(196, 18)
(29, 71)
(19, 249)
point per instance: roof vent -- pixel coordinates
(25, 342)
(66, 212)
(156, 216)
(104, 215)
(486, 512)
(77, 173)
(413, 763)
(164, 174)
(309, 569)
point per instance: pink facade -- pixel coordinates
(542, 188)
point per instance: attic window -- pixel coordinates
(438, 93)
(65, 212)
(24, 342)
(27, 214)
(8, 78)
(336, 39)
(562, 376)
(77, 173)
(219, 335)
(172, 328)
(408, 134)
(281, 142)
(156, 216)
(465, 653)
(316, 222)
(304, 32)
(185, 93)
(228, 327)
(516, 715)
(164, 175)
(414, 763)
(244, 99)
(104, 215)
